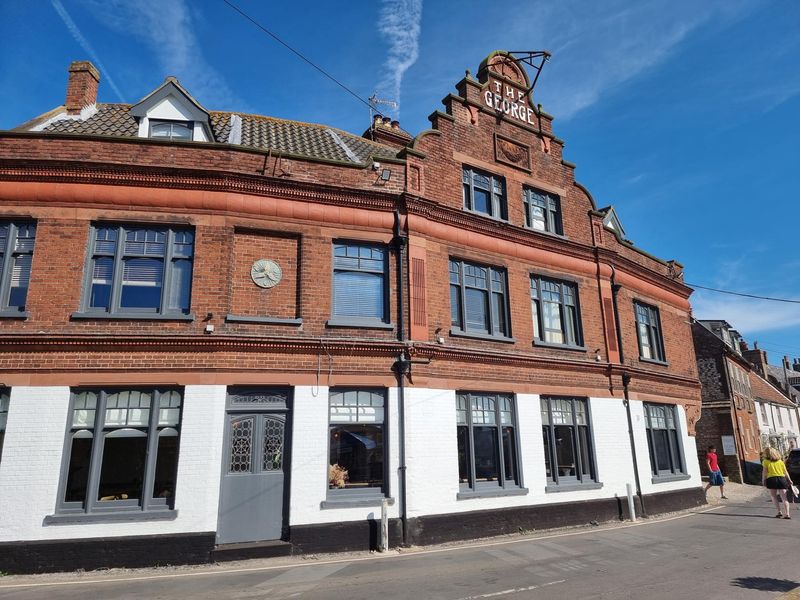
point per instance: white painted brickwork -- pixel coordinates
(787, 425)
(643, 454)
(309, 481)
(32, 455)
(433, 463)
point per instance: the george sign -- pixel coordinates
(509, 100)
(506, 88)
(728, 445)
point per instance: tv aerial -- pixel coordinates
(374, 103)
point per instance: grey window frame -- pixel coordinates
(552, 209)
(473, 487)
(538, 319)
(10, 254)
(675, 446)
(169, 257)
(498, 199)
(655, 337)
(494, 319)
(355, 496)
(172, 122)
(91, 505)
(5, 404)
(350, 321)
(555, 480)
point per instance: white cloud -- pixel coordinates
(400, 23)
(168, 30)
(599, 46)
(87, 47)
(749, 316)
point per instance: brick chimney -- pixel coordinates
(796, 364)
(82, 86)
(388, 132)
(758, 358)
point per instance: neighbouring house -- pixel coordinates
(728, 419)
(228, 335)
(744, 408)
(777, 400)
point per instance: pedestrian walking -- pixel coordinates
(714, 473)
(775, 477)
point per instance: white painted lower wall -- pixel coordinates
(32, 456)
(32, 460)
(433, 462)
(309, 476)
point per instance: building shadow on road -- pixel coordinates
(765, 584)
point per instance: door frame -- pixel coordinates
(232, 407)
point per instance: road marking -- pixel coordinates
(406, 554)
(513, 590)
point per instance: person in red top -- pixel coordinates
(714, 473)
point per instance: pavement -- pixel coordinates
(730, 549)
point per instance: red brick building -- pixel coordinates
(729, 420)
(222, 328)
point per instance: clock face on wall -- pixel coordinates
(266, 273)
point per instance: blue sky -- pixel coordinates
(685, 115)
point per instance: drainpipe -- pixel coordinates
(402, 368)
(626, 380)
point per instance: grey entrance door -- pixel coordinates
(252, 495)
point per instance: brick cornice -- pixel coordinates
(171, 343)
(190, 179)
(72, 172)
(27, 343)
(621, 262)
(447, 215)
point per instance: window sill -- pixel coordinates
(487, 493)
(668, 478)
(653, 361)
(553, 234)
(486, 215)
(110, 517)
(130, 316)
(572, 487)
(540, 344)
(358, 323)
(343, 502)
(262, 320)
(482, 336)
(13, 314)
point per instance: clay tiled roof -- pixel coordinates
(766, 392)
(110, 119)
(264, 133)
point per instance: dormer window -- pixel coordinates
(171, 130)
(170, 113)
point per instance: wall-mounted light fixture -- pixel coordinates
(386, 175)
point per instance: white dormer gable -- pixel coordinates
(170, 113)
(611, 221)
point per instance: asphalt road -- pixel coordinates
(738, 550)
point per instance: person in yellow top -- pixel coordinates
(776, 478)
